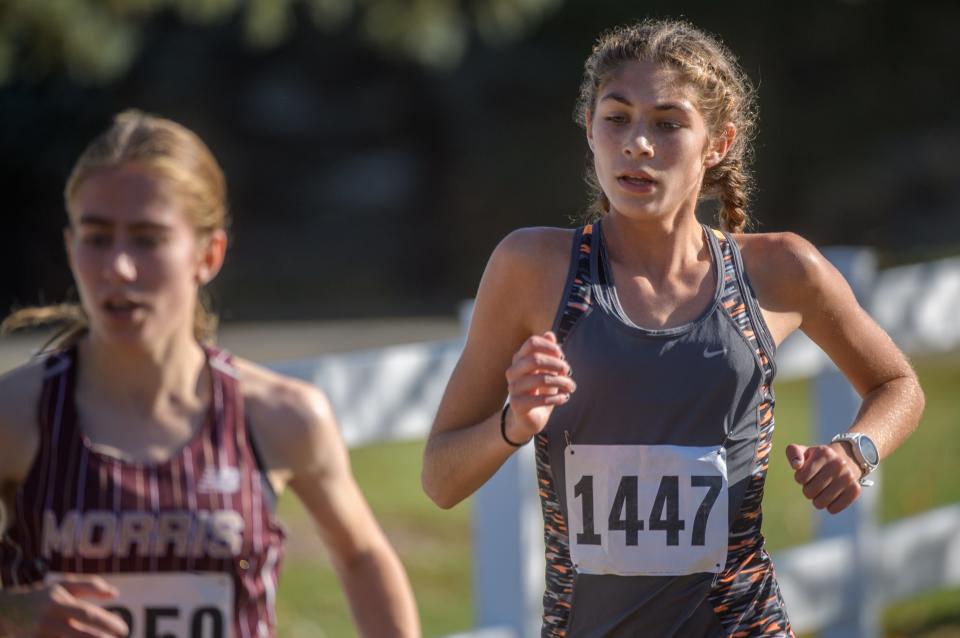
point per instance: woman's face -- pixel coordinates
(136, 259)
(650, 143)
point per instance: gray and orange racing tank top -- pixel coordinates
(651, 476)
(191, 543)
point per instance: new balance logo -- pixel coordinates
(225, 480)
(709, 354)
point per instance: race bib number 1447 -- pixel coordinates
(647, 509)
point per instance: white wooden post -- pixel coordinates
(836, 404)
(508, 549)
(508, 563)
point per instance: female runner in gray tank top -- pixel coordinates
(637, 354)
(139, 465)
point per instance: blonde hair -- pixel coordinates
(177, 156)
(725, 95)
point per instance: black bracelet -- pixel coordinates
(503, 428)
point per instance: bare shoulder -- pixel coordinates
(19, 435)
(290, 419)
(786, 270)
(529, 267)
(531, 253)
(525, 244)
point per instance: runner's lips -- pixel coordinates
(636, 177)
(122, 304)
(639, 185)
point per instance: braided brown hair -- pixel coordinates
(725, 95)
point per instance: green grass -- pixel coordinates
(434, 545)
(934, 615)
(920, 475)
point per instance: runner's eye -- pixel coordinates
(96, 239)
(151, 240)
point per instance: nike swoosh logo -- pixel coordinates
(707, 354)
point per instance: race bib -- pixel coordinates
(647, 509)
(193, 605)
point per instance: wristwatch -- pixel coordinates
(865, 453)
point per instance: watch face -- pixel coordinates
(869, 451)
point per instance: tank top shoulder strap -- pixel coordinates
(577, 299)
(740, 302)
(56, 413)
(228, 431)
(231, 427)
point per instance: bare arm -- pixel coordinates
(371, 573)
(309, 446)
(824, 307)
(19, 434)
(508, 351)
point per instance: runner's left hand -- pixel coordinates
(828, 474)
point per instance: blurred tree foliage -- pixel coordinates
(96, 41)
(364, 182)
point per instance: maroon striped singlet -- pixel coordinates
(208, 510)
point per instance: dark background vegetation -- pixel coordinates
(376, 150)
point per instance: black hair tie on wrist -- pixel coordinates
(503, 427)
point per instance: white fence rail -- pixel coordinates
(836, 584)
(386, 394)
(912, 556)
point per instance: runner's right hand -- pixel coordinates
(63, 610)
(538, 380)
